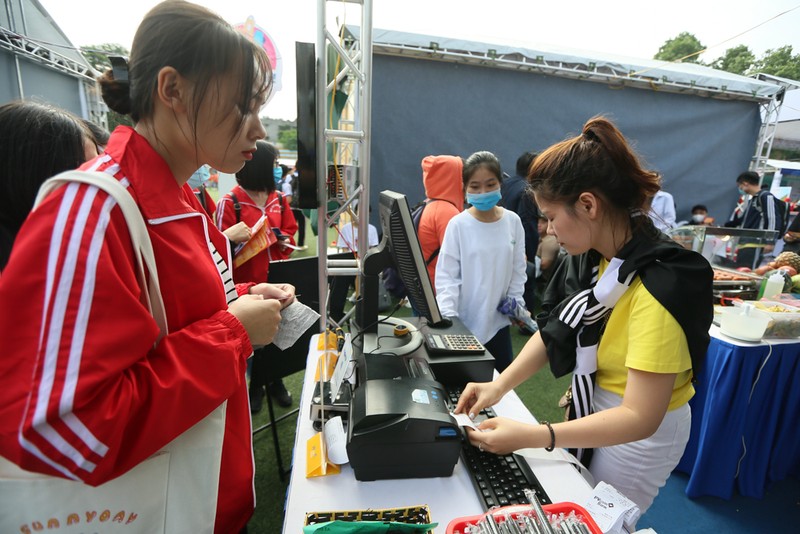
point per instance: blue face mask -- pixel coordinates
(742, 191)
(277, 173)
(484, 201)
(199, 177)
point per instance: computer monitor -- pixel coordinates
(399, 248)
(306, 126)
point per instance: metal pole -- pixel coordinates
(322, 166)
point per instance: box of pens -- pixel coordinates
(379, 520)
(558, 518)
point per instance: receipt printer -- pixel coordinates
(401, 428)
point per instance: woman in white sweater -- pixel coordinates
(482, 260)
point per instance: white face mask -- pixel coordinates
(698, 218)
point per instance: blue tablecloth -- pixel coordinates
(745, 419)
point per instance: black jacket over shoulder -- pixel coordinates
(680, 279)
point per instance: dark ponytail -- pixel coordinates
(116, 94)
(600, 161)
(197, 43)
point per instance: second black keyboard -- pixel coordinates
(499, 480)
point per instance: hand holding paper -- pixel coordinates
(261, 238)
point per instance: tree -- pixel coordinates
(97, 57)
(780, 62)
(684, 47)
(288, 138)
(738, 60)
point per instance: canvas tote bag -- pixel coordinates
(175, 490)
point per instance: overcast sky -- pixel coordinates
(634, 28)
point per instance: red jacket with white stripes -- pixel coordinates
(84, 393)
(279, 215)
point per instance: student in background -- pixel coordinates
(255, 196)
(482, 260)
(662, 211)
(761, 211)
(518, 199)
(197, 181)
(792, 237)
(444, 199)
(548, 255)
(615, 314)
(91, 387)
(340, 285)
(293, 180)
(99, 134)
(239, 232)
(252, 198)
(700, 216)
(37, 141)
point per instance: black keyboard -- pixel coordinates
(453, 343)
(498, 480)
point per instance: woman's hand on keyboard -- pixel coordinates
(477, 396)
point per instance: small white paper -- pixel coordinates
(556, 455)
(349, 356)
(342, 365)
(296, 318)
(611, 510)
(336, 441)
(463, 420)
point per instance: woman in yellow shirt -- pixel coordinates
(616, 315)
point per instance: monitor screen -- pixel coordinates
(306, 126)
(406, 254)
(399, 248)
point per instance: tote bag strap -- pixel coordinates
(142, 247)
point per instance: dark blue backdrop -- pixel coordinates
(422, 107)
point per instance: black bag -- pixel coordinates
(781, 211)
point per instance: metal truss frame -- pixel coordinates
(349, 141)
(29, 49)
(770, 111)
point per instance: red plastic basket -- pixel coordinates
(458, 524)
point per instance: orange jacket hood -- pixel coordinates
(441, 176)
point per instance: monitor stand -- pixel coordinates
(385, 341)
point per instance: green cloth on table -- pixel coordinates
(367, 527)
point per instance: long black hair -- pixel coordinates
(37, 141)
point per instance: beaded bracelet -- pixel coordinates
(552, 436)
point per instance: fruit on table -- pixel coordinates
(789, 259)
(796, 281)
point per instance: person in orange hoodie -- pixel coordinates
(444, 199)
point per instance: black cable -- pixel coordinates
(379, 321)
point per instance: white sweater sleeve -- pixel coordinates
(448, 272)
(516, 287)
